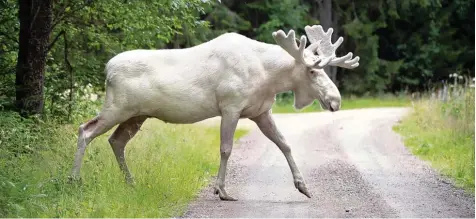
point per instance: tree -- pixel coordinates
(35, 26)
(328, 19)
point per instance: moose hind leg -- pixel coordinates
(86, 133)
(119, 140)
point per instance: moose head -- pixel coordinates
(312, 59)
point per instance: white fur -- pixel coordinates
(193, 84)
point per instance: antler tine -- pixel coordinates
(326, 49)
(313, 33)
(288, 43)
(346, 61)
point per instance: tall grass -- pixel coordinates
(170, 164)
(441, 131)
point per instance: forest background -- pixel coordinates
(405, 46)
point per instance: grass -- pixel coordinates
(286, 106)
(170, 163)
(443, 134)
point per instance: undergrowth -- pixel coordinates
(442, 132)
(170, 163)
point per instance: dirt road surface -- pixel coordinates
(354, 166)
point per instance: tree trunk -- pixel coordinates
(334, 39)
(327, 21)
(35, 26)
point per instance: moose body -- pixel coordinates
(230, 76)
(193, 84)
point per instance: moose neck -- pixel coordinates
(280, 68)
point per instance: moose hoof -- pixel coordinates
(74, 179)
(227, 198)
(130, 181)
(223, 196)
(301, 186)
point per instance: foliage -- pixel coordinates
(403, 45)
(442, 132)
(9, 27)
(20, 136)
(103, 29)
(95, 32)
(408, 44)
(272, 12)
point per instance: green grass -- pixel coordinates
(443, 134)
(347, 103)
(170, 163)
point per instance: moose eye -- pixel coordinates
(318, 77)
(314, 76)
(314, 72)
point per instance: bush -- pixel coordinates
(20, 140)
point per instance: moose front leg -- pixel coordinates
(266, 124)
(227, 131)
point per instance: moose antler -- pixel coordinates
(320, 42)
(326, 49)
(288, 43)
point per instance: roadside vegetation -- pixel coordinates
(441, 130)
(170, 163)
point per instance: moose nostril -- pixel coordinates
(333, 106)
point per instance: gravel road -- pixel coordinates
(354, 166)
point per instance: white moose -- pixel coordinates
(230, 76)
